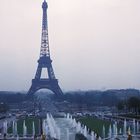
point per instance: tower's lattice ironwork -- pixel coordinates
(45, 61)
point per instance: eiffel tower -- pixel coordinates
(45, 62)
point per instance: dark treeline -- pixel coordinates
(8, 98)
(89, 99)
(11, 97)
(131, 105)
(99, 98)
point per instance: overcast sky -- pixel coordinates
(94, 44)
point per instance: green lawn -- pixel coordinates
(96, 124)
(28, 123)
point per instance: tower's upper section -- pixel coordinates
(44, 5)
(44, 39)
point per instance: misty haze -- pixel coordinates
(69, 70)
(93, 44)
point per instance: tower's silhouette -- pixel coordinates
(45, 61)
